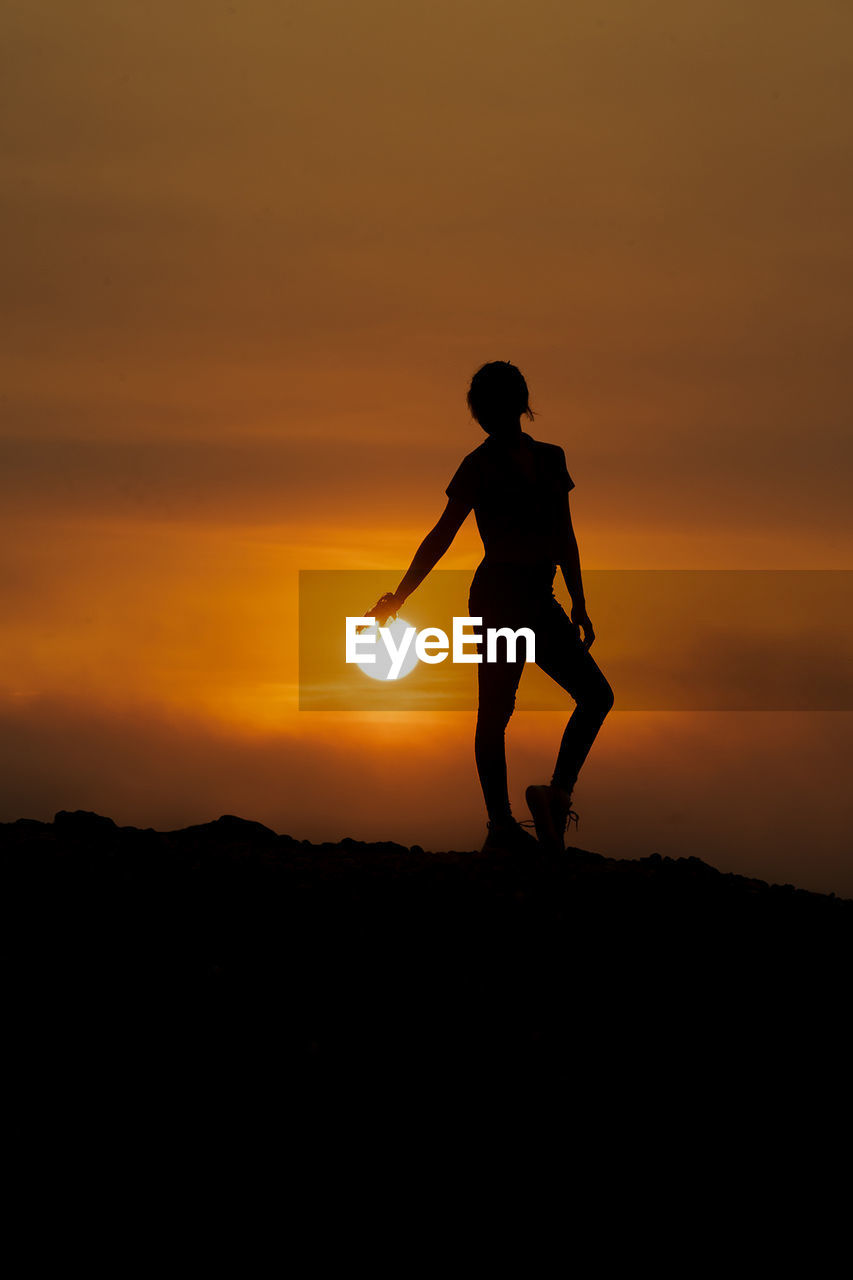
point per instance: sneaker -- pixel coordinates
(509, 836)
(551, 810)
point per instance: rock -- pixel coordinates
(243, 827)
(82, 822)
(229, 828)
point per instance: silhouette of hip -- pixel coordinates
(522, 595)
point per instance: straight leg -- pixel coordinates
(497, 683)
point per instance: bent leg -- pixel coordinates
(561, 654)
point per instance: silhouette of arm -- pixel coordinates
(426, 558)
(432, 548)
(570, 566)
(570, 562)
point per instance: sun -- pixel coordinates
(379, 669)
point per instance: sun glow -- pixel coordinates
(381, 668)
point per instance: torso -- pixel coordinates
(518, 507)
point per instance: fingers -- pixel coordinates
(379, 611)
(383, 609)
(581, 623)
(588, 633)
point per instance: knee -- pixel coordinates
(607, 697)
(598, 700)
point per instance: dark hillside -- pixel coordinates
(348, 954)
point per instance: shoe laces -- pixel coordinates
(566, 816)
(567, 819)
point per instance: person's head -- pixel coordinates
(498, 396)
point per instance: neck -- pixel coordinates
(506, 432)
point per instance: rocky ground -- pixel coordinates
(355, 954)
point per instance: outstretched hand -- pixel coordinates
(386, 607)
(580, 621)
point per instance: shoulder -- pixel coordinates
(482, 452)
(468, 478)
(553, 461)
(551, 452)
(477, 459)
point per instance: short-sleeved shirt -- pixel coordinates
(520, 506)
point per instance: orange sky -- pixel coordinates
(252, 254)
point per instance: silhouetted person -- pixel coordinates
(519, 488)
